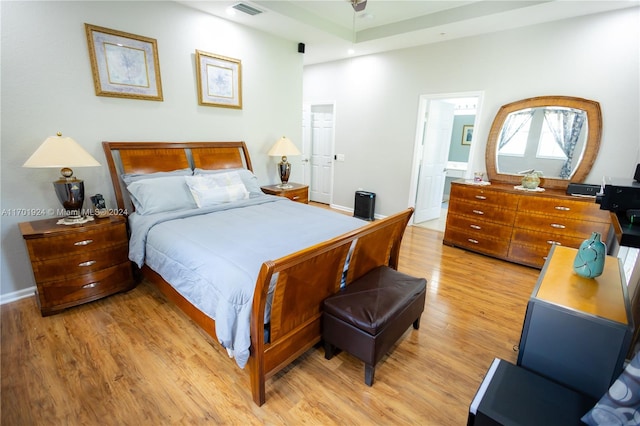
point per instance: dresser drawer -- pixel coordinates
(581, 210)
(560, 225)
(80, 263)
(56, 295)
(487, 212)
(478, 226)
(544, 239)
(477, 242)
(300, 195)
(529, 255)
(483, 194)
(77, 242)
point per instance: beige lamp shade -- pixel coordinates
(59, 151)
(283, 147)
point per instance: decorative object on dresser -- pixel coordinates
(589, 260)
(77, 264)
(295, 192)
(64, 152)
(531, 179)
(283, 148)
(519, 226)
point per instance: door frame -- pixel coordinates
(307, 109)
(420, 130)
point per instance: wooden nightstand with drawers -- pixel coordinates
(297, 192)
(76, 264)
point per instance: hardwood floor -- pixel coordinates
(135, 359)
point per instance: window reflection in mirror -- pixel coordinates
(546, 139)
(560, 137)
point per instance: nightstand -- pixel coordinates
(297, 192)
(76, 264)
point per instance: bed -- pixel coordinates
(250, 269)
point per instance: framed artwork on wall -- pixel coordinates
(467, 134)
(219, 80)
(124, 65)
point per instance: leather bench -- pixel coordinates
(368, 316)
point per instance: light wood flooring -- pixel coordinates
(134, 359)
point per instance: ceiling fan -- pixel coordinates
(358, 5)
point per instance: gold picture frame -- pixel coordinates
(219, 80)
(124, 65)
(467, 134)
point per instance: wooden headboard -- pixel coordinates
(150, 157)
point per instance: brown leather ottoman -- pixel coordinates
(368, 316)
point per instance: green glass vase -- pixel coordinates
(589, 261)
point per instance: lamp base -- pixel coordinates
(285, 186)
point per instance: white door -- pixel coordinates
(438, 126)
(321, 150)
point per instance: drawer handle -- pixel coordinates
(562, 208)
(471, 240)
(558, 243)
(557, 226)
(478, 212)
(295, 197)
(481, 197)
(87, 263)
(91, 285)
(475, 226)
(83, 243)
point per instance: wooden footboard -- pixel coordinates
(304, 280)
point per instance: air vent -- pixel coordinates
(249, 10)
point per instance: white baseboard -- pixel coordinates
(349, 210)
(17, 295)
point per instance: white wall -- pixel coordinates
(47, 87)
(594, 57)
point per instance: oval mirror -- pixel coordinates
(558, 136)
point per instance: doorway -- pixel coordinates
(318, 145)
(443, 149)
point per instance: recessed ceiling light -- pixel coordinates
(350, 51)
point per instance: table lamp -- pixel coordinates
(64, 152)
(282, 148)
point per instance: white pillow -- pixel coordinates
(208, 190)
(248, 178)
(162, 194)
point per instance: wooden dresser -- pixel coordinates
(520, 226)
(75, 264)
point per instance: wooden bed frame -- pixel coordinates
(305, 278)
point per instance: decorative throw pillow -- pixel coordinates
(621, 404)
(248, 178)
(208, 190)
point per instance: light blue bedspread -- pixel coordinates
(212, 256)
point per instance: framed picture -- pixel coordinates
(219, 80)
(124, 65)
(467, 134)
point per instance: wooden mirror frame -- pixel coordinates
(594, 120)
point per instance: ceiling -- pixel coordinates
(329, 28)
